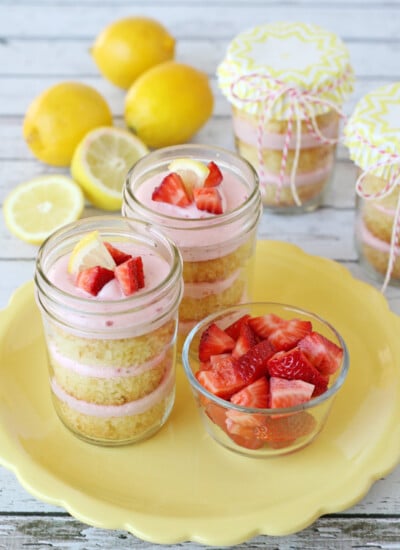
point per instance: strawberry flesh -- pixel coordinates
(214, 341)
(224, 378)
(289, 334)
(294, 365)
(130, 275)
(172, 190)
(94, 278)
(214, 177)
(246, 340)
(118, 255)
(325, 355)
(254, 363)
(289, 393)
(234, 329)
(254, 395)
(208, 199)
(265, 325)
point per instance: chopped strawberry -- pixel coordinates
(288, 393)
(94, 278)
(294, 365)
(234, 329)
(254, 395)
(130, 275)
(248, 442)
(224, 379)
(172, 190)
(265, 325)
(244, 424)
(214, 341)
(216, 413)
(254, 363)
(325, 355)
(118, 255)
(247, 339)
(289, 334)
(214, 177)
(208, 199)
(286, 428)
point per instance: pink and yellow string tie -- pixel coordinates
(392, 160)
(301, 104)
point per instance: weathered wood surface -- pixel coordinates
(45, 41)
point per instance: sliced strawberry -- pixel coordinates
(208, 199)
(254, 395)
(214, 341)
(224, 379)
(289, 393)
(265, 325)
(325, 355)
(214, 177)
(286, 428)
(130, 275)
(247, 339)
(172, 190)
(294, 365)
(118, 255)
(254, 363)
(234, 329)
(289, 334)
(94, 278)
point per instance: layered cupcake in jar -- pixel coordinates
(372, 136)
(108, 289)
(286, 83)
(208, 202)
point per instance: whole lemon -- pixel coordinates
(130, 46)
(58, 118)
(168, 104)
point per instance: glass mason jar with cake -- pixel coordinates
(372, 136)
(207, 201)
(286, 83)
(108, 289)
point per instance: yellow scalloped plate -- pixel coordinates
(181, 485)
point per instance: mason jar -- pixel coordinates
(217, 250)
(111, 357)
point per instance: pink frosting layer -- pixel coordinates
(103, 371)
(127, 409)
(155, 270)
(202, 290)
(388, 211)
(368, 238)
(307, 178)
(248, 132)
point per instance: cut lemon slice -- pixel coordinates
(101, 162)
(90, 251)
(192, 172)
(36, 208)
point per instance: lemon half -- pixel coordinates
(101, 162)
(36, 208)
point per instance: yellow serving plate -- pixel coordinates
(181, 485)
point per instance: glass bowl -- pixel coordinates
(262, 432)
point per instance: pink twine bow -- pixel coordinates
(389, 187)
(300, 107)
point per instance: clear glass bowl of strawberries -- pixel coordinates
(264, 376)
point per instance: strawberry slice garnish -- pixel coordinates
(214, 341)
(214, 177)
(294, 365)
(118, 255)
(208, 199)
(94, 278)
(325, 355)
(286, 336)
(234, 329)
(246, 340)
(265, 325)
(130, 275)
(172, 190)
(289, 393)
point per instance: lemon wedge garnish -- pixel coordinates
(36, 208)
(101, 162)
(192, 172)
(90, 251)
